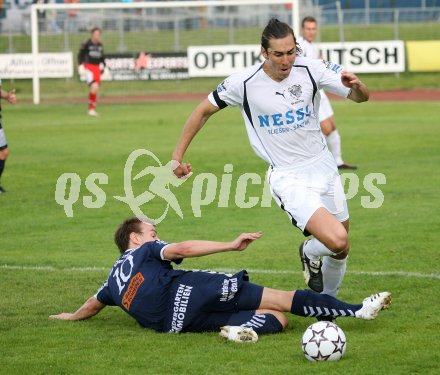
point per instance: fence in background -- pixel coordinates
(336, 24)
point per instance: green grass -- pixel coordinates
(400, 141)
(72, 88)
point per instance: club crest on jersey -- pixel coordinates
(331, 66)
(295, 91)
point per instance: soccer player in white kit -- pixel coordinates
(4, 151)
(279, 101)
(327, 121)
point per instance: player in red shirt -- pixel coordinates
(91, 63)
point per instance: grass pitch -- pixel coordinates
(50, 263)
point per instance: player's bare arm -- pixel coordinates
(192, 126)
(195, 248)
(90, 308)
(359, 91)
(9, 96)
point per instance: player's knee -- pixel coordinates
(94, 87)
(343, 254)
(282, 320)
(4, 154)
(339, 242)
(332, 125)
(325, 128)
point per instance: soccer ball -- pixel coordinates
(323, 341)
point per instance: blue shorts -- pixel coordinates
(205, 301)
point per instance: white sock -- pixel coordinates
(334, 144)
(333, 271)
(315, 249)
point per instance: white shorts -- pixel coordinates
(3, 143)
(325, 108)
(302, 189)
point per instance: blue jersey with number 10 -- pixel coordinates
(139, 283)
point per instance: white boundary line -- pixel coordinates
(419, 275)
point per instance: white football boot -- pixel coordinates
(373, 304)
(92, 112)
(239, 334)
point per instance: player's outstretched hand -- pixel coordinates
(350, 80)
(244, 240)
(182, 170)
(359, 91)
(62, 316)
(12, 98)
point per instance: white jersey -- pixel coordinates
(281, 118)
(308, 49)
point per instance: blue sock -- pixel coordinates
(309, 303)
(264, 323)
(2, 166)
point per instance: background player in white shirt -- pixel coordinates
(4, 151)
(279, 101)
(309, 30)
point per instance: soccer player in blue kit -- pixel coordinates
(144, 284)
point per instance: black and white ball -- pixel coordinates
(323, 341)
